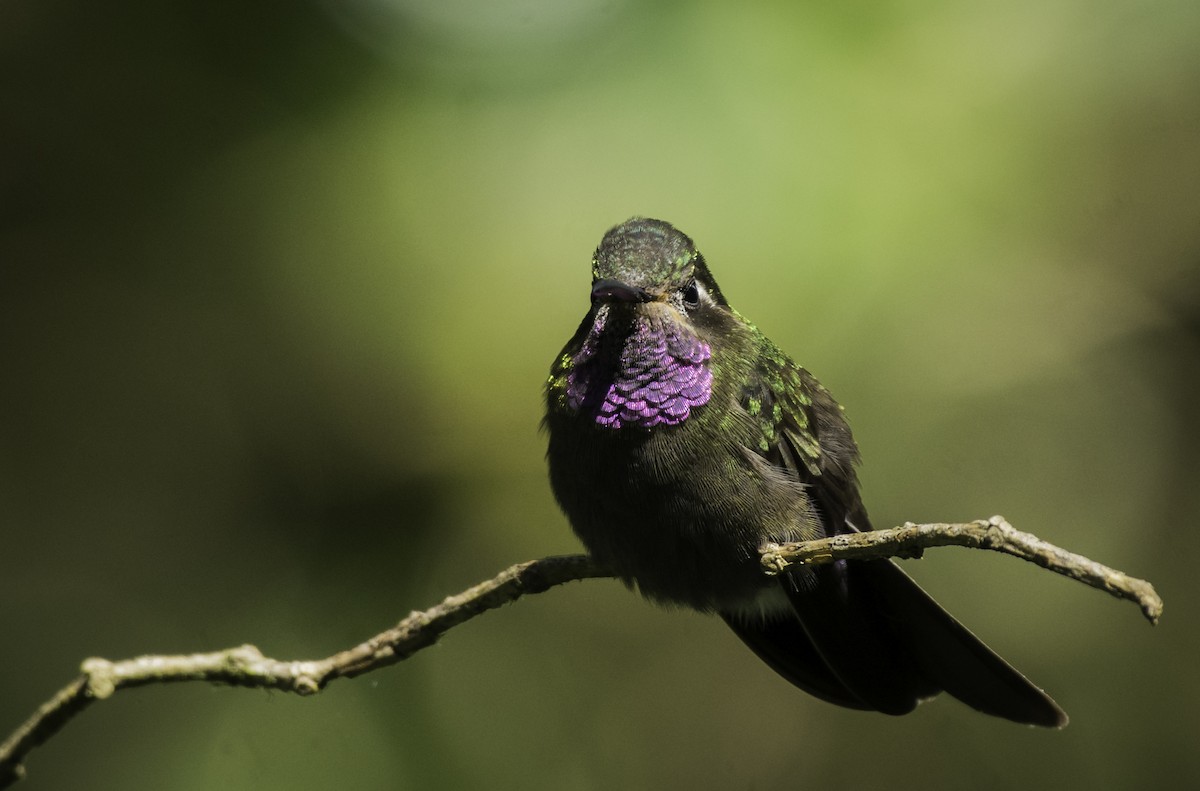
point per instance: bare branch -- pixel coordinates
(246, 666)
(996, 534)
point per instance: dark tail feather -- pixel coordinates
(784, 646)
(842, 619)
(867, 637)
(956, 660)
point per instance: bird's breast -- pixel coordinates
(675, 510)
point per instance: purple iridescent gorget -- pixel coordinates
(649, 373)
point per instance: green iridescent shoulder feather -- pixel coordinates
(781, 398)
(556, 383)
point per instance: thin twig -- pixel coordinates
(996, 534)
(246, 666)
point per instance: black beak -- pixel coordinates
(616, 291)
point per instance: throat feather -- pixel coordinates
(646, 374)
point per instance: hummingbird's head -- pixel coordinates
(645, 261)
(643, 355)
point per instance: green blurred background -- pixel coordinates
(280, 283)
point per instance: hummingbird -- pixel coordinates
(682, 441)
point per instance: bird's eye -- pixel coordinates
(691, 295)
